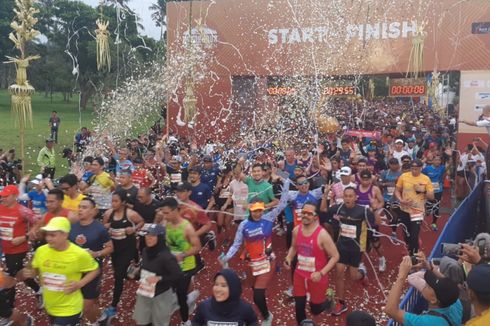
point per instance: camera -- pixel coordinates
(454, 249)
(414, 260)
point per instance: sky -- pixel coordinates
(141, 9)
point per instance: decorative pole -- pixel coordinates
(103, 52)
(189, 101)
(21, 91)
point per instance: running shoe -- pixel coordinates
(382, 264)
(191, 300)
(268, 321)
(289, 292)
(339, 309)
(108, 313)
(363, 271)
(40, 300)
(211, 240)
(433, 226)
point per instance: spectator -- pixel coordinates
(479, 293)
(441, 294)
(46, 159)
(54, 125)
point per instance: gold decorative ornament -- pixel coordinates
(21, 91)
(416, 59)
(102, 41)
(327, 124)
(189, 102)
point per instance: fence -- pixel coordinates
(463, 224)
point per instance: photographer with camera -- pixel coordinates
(441, 293)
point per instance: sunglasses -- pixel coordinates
(302, 183)
(308, 213)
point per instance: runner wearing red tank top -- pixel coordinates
(313, 245)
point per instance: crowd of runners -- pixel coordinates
(148, 208)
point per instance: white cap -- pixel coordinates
(37, 180)
(345, 171)
(399, 141)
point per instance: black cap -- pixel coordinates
(49, 140)
(417, 163)
(155, 229)
(478, 277)
(446, 290)
(183, 186)
(365, 174)
(207, 158)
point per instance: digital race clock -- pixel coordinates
(407, 87)
(339, 90)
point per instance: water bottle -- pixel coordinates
(221, 259)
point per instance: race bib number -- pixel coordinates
(306, 264)
(221, 323)
(419, 216)
(118, 234)
(6, 233)
(436, 186)
(260, 266)
(146, 289)
(176, 178)
(224, 194)
(390, 191)
(54, 282)
(348, 231)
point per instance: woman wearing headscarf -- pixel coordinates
(225, 305)
(160, 273)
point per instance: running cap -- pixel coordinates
(9, 190)
(257, 206)
(345, 171)
(58, 224)
(446, 290)
(37, 180)
(155, 229)
(477, 279)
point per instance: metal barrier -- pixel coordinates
(464, 223)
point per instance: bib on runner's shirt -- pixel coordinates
(260, 266)
(118, 234)
(306, 264)
(146, 289)
(348, 231)
(6, 233)
(53, 282)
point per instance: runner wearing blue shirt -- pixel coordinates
(37, 195)
(201, 192)
(435, 171)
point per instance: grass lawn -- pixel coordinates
(71, 121)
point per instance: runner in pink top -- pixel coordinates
(313, 245)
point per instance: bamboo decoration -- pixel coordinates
(189, 102)
(102, 41)
(21, 91)
(416, 59)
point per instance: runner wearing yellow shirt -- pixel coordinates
(73, 197)
(64, 268)
(412, 190)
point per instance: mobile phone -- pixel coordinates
(435, 261)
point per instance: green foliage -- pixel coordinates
(34, 138)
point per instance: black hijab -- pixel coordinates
(226, 307)
(152, 252)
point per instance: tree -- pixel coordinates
(158, 16)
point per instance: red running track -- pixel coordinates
(358, 297)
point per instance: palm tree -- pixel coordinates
(158, 16)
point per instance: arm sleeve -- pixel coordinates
(237, 242)
(283, 202)
(22, 192)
